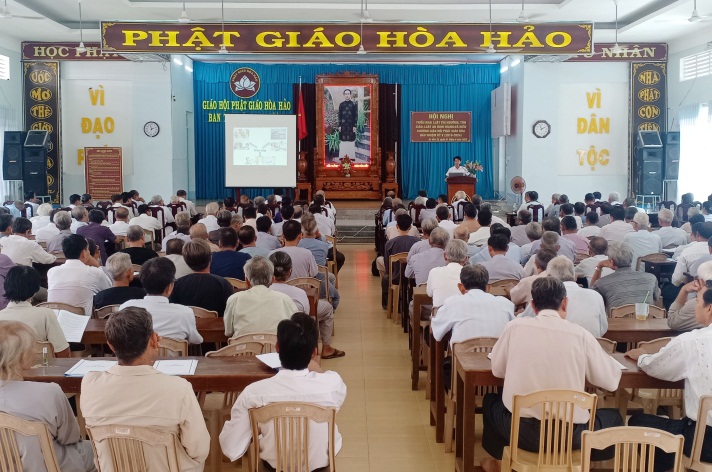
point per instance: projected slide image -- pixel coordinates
(266, 146)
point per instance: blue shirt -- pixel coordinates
(229, 264)
(317, 247)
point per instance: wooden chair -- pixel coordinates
(105, 312)
(268, 341)
(149, 236)
(158, 213)
(502, 287)
(634, 447)
(694, 462)
(652, 398)
(237, 284)
(325, 274)
(669, 204)
(169, 347)
(291, 424)
(535, 210)
(77, 310)
(655, 257)
(628, 311)
(177, 207)
(470, 345)
(396, 263)
(10, 460)
(307, 283)
(414, 212)
(203, 313)
(556, 432)
(331, 264)
(460, 210)
(607, 345)
(125, 446)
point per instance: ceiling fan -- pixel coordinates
(184, 18)
(695, 17)
(6, 14)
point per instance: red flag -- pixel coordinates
(301, 119)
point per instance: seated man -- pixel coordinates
(597, 248)
(136, 246)
(198, 231)
(301, 380)
(80, 217)
(500, 267)
(21, 249)
(420, 264)
(224, 218)
(670, 236)
(258, 309)
(324, 223)
(21, 283)
(248, 238)
(427, 226)
(99, 233)
(133, 393)
(522, 292)
(43, 234)
(145, 219)
(80, 278)
(62, 220)
(642, 241)
(442, 213)
(121, 270)
(585, 306)
(265, 240)
(169, 319)
(480, 237)
(429, 210)
(569, 231)
(590, 226)
(398, 244)
(183, 229)
(201, 288)
(250, 215)
(625, 285)
(228, 262)
(685, 357)
(157, 201)
(190, 206)
(287, 213)
(514, 252)
(681, 315)
(557, 342)
(120, 225)
(392, 228)
(615, 231)
(519, 232)
(534, 232)
(566, 247)
(210, 220)
(698, 248)
(174, 253)
(442, 281)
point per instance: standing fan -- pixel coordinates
(518, 185)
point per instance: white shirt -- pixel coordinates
(323, 389)
(457, 170)
(472, 315)
(76, 283)
(588, 231)
(39, 222)
(693, 252)
(174, 235)
(325, 224)
(119, 228)
(24, 251)
(587, 267)
(688, 357)
(442, 282)
(616, 231)
(170, 320)
(210, 222)
(298, 296)
(46, 233)
(479, 237)
(448, 225)
(190, 206)
(76, 224)
(672, 236)
(643, 243)
(146, 221)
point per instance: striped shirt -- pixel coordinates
(625, 286)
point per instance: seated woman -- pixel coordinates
(38, 401)
(685, 357)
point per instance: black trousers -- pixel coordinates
(340, 258)
(685, 426)
(497, 425)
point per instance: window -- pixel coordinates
(4, 67)
(696, 65)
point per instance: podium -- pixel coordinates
(465, 183)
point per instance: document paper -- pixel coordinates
(271, 359)
(82, 367)
(176, 367)
(72, 325)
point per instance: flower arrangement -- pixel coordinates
(346, 165)
(473, 167)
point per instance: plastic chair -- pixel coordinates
(501, 288)
(268, 341)
(556, 431)
(237, 284)
(62, 306)
(325, 274)
(652, 398)
(470, 345)
(306, 283)
(105, 312)
(608, 346)
(395, 262)
(125, 446)
(655, 257)
(291, 423)
(10, 460)
(169, 347)
(628, 311)
(203, 313)
(331, 264)
(634, 447)
(694, 462)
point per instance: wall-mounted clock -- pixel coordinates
(541, 129)
(151, 129)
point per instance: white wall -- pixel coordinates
(11, 102)
(152, 158)
(691, 91)
(182, 109)
(536, 95)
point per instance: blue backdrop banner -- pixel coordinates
(463, 87)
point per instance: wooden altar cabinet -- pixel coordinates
(461, 183)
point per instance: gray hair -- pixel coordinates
(117, 264)
(236, 219)
(439, 237)
(212, 208)
(456, 251)
(461, 233)
(156, 199)
(62, 220)
(258, 201)
(309, 226)
(621, 254)
(692, 211)
(666, 215)
(534, 231)
(182, 219)
(79, 212)
(134, 233)
(562, 268)
(550, 239)
(704, 271)
(642, 220)
(44, 210)
(614, 197)
(474, 277)
(401, 211)
(428, 225)
(259, 271)
(485, 206)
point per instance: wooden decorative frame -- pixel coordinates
(363, 179)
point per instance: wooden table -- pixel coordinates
(212, 373)
(630, 330)
(211, 329)
(474, 369)
(661, 270)
(436, 385)
(420, 298)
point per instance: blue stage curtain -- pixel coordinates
(464, 87)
